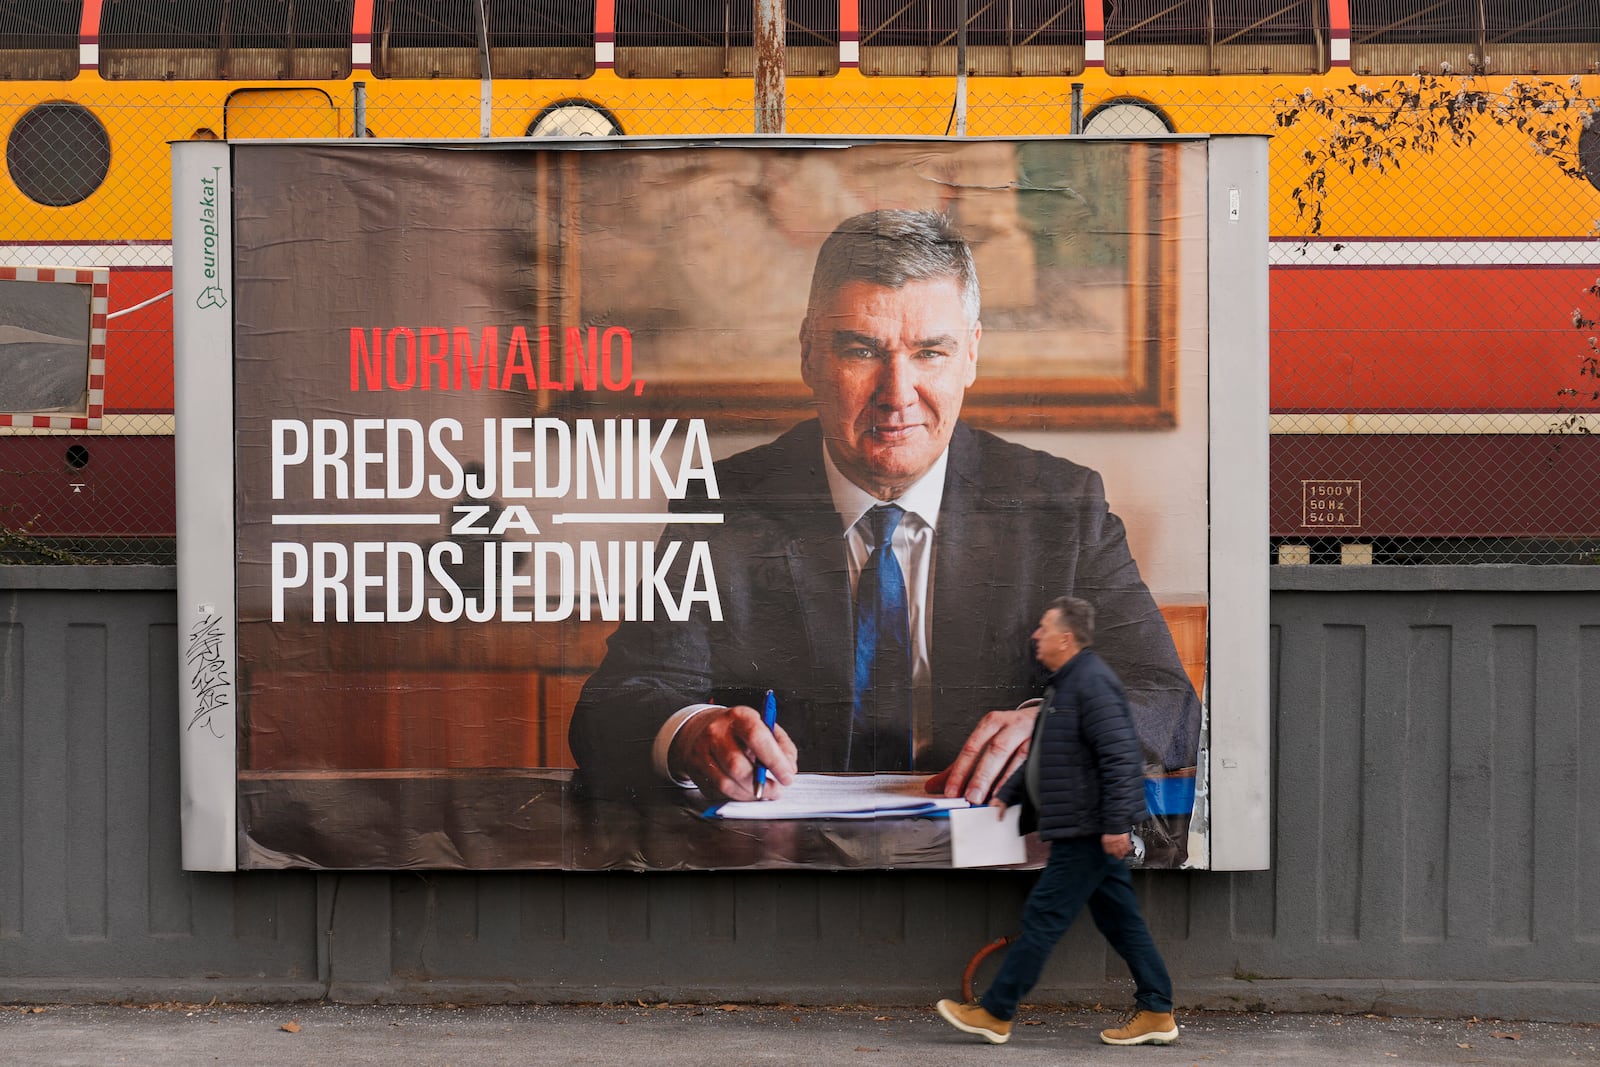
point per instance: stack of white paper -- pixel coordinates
(843, 796)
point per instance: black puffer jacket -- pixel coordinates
(1091, 771)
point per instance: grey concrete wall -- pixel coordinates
(1436, 755)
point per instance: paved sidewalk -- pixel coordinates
(179, 1035)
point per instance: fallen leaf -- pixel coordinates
(663, 1004)
(1462, 1044)
(863, 1048)
(35, 1011)
(622, 1022)
(290, 1027)
(729, 1007)
(880, 1018)
(1507, 1036)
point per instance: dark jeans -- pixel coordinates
(1079, 870)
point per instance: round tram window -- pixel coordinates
(574, 118)
(58, 154)
(1589, 150)
(1125, 117)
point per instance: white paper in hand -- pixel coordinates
(978, 839)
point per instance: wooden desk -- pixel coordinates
(544, 819)
(457, 696)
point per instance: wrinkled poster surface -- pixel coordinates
(549, 462)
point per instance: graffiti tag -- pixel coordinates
(208, 674)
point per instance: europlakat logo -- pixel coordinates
(214, 295)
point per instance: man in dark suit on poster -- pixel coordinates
(912, 656)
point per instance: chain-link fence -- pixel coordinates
(1433, 278)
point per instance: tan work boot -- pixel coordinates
(1145, 1028)
(972, 1019)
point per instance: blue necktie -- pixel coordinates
(881, 731)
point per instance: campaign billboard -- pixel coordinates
(687, 505)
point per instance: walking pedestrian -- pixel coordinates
(1082, 788)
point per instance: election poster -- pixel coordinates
(682, 505)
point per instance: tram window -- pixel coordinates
(183, 40)
(39, 41)
(541, 38)
(49, 373)
(1541, 38)
(304, 40)
(696, 39)
(1400, 22)
(1398, 37)
(426, 39)
(158, 40)
(1464, 37)
(58, 154)
(1217, 37)
(1013, 38)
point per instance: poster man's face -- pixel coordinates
(889, 368)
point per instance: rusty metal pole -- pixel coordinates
(485, 76)
(770, 58)
(961, 68)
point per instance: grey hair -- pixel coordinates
(1078, 615)
(891, 248)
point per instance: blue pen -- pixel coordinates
(770, 717)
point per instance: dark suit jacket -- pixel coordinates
(1017, 528)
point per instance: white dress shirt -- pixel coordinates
(913, 549)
